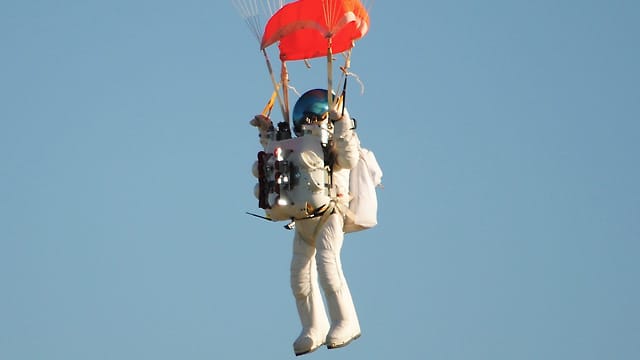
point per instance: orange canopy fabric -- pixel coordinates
(304, 27)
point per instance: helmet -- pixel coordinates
(312, 105)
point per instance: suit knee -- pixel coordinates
(330, 275)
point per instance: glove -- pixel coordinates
(338, 112)
(343, 123)
(261, 122)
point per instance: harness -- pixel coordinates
(294, 183)
(334, 205)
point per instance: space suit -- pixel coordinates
(319, 235)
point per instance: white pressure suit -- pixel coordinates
(316, 251)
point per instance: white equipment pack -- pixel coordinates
(292, 179)
(364, 178)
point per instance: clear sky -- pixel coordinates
(509, 222)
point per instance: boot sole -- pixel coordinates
(309, 351)
(337, 346)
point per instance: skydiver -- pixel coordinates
(318, 240)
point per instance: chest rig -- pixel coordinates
(294, 177)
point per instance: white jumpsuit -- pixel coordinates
(316, 258)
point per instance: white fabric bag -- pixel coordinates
(363, 180)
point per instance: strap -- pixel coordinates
(333, 207)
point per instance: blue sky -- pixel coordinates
(509, 224)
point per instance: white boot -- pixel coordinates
(315, 324)
(344, 320)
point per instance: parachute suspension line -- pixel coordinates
(327, 11)
(284, 74)
(346, 73)
(267, 109)
(329, 8)
(345, 69)
(248, 10)
(295, 91)
(344, 85)
(330, 72)
(272, 8)
(358, 80)
(254, 13)
(333, 14)
(343, 97)
(275, 85)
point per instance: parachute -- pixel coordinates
(306, 29)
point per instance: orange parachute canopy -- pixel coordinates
(307, 28)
